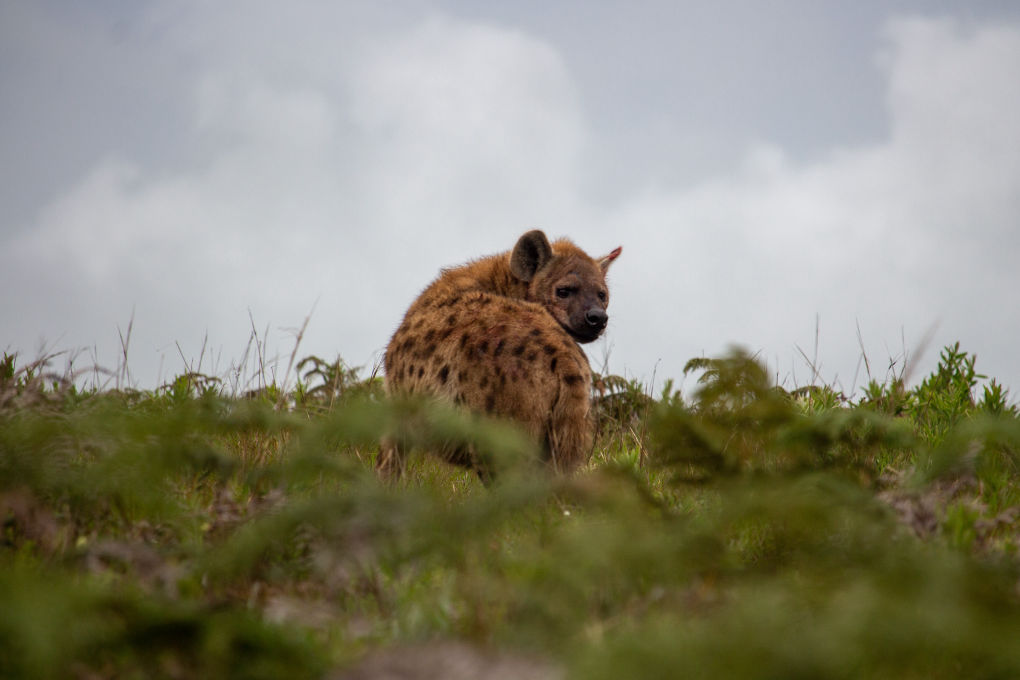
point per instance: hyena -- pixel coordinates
(500, 336)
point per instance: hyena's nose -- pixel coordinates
(596, 318)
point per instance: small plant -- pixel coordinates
(946, 396)
(324, 384)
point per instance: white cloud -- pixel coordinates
(472, 129)
(905, 233)
(954, 99)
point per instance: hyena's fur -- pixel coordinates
(500, 336)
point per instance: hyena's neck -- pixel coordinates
(488, 275)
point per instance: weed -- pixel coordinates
(204, 530)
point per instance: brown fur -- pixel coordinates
(500, 336)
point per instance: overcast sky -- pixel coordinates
(196, 165)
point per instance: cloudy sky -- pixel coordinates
(769, 168)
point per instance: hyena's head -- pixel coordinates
(566, 281)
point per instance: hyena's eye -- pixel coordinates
(563, 292)
(602, 295)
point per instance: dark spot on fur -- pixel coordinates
(484, 382)
(573, 379)
(461, 375)
(535, 332)
(408, 343)
(418, 324)
(444, 373)
(549, 349)
(499, 348)
(552, 365)
(443, 335)
(464, 339)
(451, 320)
(483, 346)
(451, 301)
(490, 403)
(502, 380)
(532, 356)
(519, 350)
(430, 335)
(429, 349)
(485, 301)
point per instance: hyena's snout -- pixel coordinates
(596, 318)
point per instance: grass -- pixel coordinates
(741, 531)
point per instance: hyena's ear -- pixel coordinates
(531, 253)
(604, 262)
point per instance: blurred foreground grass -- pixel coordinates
(744, 531)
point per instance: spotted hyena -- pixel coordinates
(500, 336)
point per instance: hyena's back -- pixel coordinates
(502, 356)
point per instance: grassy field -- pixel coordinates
(740, 531)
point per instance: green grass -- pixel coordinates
(740, 531)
